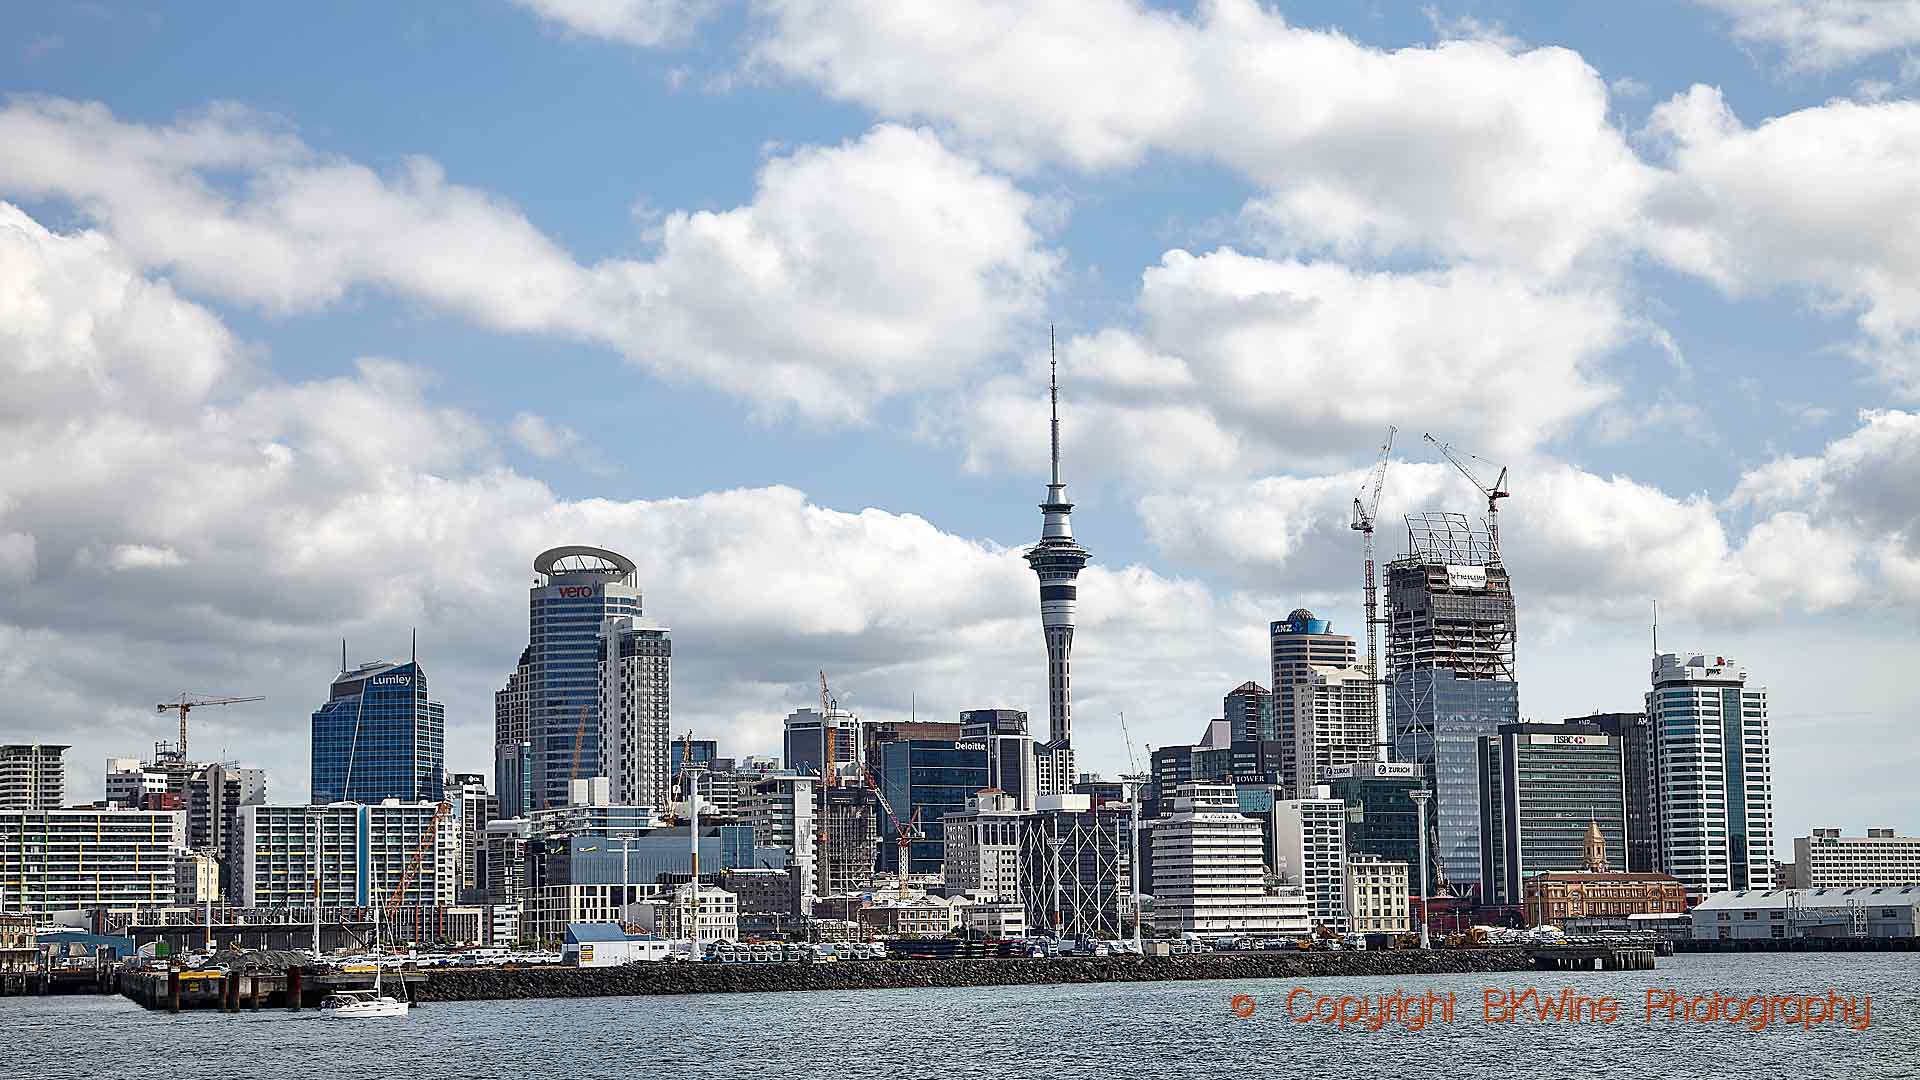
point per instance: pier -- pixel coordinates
(293, 988)
(1606, 952)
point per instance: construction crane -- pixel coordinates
(1366, 505)
(1494, 491)
(906, 831)
(187, 703)
(822, 873)
(1137, 780)
(399, 893)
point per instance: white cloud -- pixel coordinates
(1825, 34)
(236, 533)
(1461, 149)
(1244, 363)
(541, 437)
(877, 266)
(635, 22)
(1805, 200)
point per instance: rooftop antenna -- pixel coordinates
(343, 655)
(1053, 401)
(415, 658)
(1656, 629)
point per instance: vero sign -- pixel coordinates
(575, 592)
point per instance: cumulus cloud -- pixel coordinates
(880, 265)
(1822, 35)
(1801, 200)
(1468, 148)
(1244, 363)
(234, 530)
(635, 22)
(542, 437)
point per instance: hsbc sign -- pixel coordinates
(1569, 740)
(575, 592)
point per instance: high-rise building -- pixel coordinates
(983, 847)
(1298, 644)
(379, 737)
(1543, 789)
(1310, 850)
(700, 753)
(1827, 860)
(1248, 710)
(781, 810)
(1713, 767)
(474, 809)
(576, 589)
(1057, 561)
(358, 853)
(636, 661)
(1450, 676)
(512, 750)
(1635, 735)
(33, 776)
(1011, 763)
(63, 860)
(846, 864)
(1333, 724)
(805, 740)
(1210, 870)
(506, 861)
(1075, 865)
(1381, 819)
(928, 778)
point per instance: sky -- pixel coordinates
(318, 322)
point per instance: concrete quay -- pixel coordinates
(709, 978)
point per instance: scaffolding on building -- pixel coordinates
(1075, 869)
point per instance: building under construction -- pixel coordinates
(1075, 868)
(1450, 671)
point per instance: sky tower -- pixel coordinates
(1057, 560)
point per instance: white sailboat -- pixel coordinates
(363, 1004)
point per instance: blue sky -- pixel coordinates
(675, 290)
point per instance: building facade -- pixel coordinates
(1309, 849)
(928, 779)
(1556, 896)
(353, 854)
(1827, 860)
(576, 589)
(1713, 767)
(379, 737)
(1378, 900)
(1543, 788)
(1057, 561)
(636, 667)
(1298, 644)
(1210, 869)
(33, 776)
(1788, 914)
(983, 847)
(1381, 819)
(1075, 868)
(1012, 764)
(1635, 734)
(62, 860)
(1450, 673)
(806, 738)
(852, 851)
(1334, 725)
(1248, 711)
(512, 752)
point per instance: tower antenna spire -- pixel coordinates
(1053, 401)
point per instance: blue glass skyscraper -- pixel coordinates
(379, 736)
(576, 589)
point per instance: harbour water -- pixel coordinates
(1120, 1030)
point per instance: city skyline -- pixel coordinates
(303, 366)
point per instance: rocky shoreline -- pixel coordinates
(647, 979)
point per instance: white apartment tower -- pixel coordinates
(1333, 724)
(32, 776)
(983, 847)
(1209, 869)
(1310, 850)
(1713, 773)
(636, 667)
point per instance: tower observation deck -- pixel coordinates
(1057, 560)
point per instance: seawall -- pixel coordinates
(663, 978)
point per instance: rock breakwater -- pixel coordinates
(657, 978)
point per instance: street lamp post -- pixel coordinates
(1420, 797)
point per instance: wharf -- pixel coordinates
(1605, 952)
(1802, 944)
(294, 988)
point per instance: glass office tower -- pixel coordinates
(379, 736)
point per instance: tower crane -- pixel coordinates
(906, 832)
(187, 703)
(827, 749)
(1494, 491)
(399, 894)
(1366, 506)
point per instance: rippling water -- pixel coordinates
(1124, 1030)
